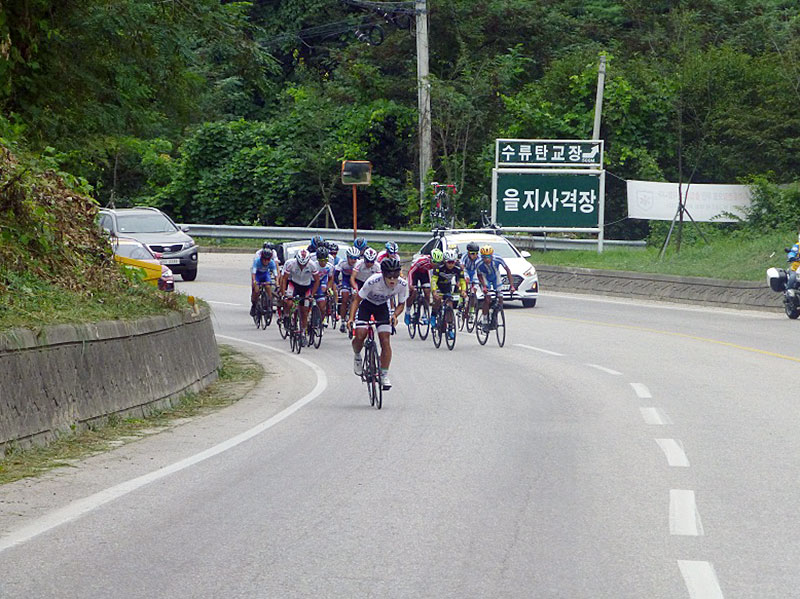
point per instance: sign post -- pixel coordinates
(549, 185)
(355, 173)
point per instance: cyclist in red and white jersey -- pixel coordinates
(390, 250)
(420, 273)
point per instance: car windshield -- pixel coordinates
(144, 223)
(502, 248)
(133, 250)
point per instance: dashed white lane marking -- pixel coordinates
(641, 390)
(673, 452)
(701, 579)
(224, 303)
(684, 519)
(79, 508)
(654, 416)
(539, 349)
(606, 370)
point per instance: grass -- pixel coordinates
(237, 376)
(35, 303)
(735, 257)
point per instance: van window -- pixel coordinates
(428, 247)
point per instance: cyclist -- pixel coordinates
(326, 278)
(365, 268)
(316, 242)
(420, 273)
(361, 245)
(470, 261)
(300, 279)
(444, 279)
(490, 278)
(263, 271)
(342, 276)
(390, 250)
(372, 300)
(333, 251)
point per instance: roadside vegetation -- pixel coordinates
(237, 376)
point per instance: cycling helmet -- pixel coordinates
(268, 246)
(332, 248)
(487, 250)
(391, 247)
(303, 257)
(437, 255)
(322, 253)
(317, 241)
(360, 244)
(370, 255)
(450, 256)
(353, 253)
(265, 254)
(473, 247)
(390, 266)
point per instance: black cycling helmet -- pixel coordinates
(317, 241)
(473, 247)
(332, 247)
(390, 266)
(265, 254)
(322, 253)
(268, 246)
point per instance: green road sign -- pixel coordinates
(557, 198)
(548, 153)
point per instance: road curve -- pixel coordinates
(610, 449)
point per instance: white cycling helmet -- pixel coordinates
(450, 256)
(303, 257)
(370, 255)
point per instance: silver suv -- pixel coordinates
(157, 231)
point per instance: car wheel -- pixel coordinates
(191, 275)
(529, 303)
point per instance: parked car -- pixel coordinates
(135, 254)
(158, 232)
(526, 280)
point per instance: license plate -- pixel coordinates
(171, 261)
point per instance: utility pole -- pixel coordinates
(598, 102)
(424, 100)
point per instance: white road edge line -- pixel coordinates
(642, 392)
(684, 519)
(701, 579)
(539, 349)
(604, 369)
(80, 507)
(674, 453)
(224, 303)
(654, 416)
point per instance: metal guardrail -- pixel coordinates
(539, 242)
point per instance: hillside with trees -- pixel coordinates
(239, 112)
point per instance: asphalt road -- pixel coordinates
(611, 449)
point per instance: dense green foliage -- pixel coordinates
(220, 112)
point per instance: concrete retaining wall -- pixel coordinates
(69, 376)
(748, 295)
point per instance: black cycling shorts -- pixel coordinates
(366, 310)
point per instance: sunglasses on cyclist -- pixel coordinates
(473, 253)
(394, 275)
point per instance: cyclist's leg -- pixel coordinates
(386, 350)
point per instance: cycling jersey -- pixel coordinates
(383, 255)
(263, 272)
(325, 275)
(343, 272)
(470, 266)
(300, 276)
(376, 291)
(364, 272)
(445, 279)
(491, 272)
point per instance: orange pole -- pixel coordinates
(355, 220)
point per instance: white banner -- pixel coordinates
(704, 202)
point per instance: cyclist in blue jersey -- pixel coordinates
(490, 278)
(263, 271)
(469, 262)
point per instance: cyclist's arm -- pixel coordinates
(354, 307)
(315, 286)
(284, 282)
(462, 283)
(435, 282)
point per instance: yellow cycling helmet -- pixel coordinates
(487, 250)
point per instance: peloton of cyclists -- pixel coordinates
(490, 278)
(372, 300)
(301, 279)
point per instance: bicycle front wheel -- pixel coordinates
(316, 326)
(500, 326)
(436, 329)
(423, 321)
(369, 372)
(267, 314)
(413, 318)
(472, 313)
(450, 328)
(283, 328)
(481, 329)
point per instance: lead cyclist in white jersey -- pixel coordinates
(373, 300)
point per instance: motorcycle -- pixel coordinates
(779, 281)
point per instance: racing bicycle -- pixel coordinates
(445, 323)
(496, 321)
(419, 315)
(263, 315)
